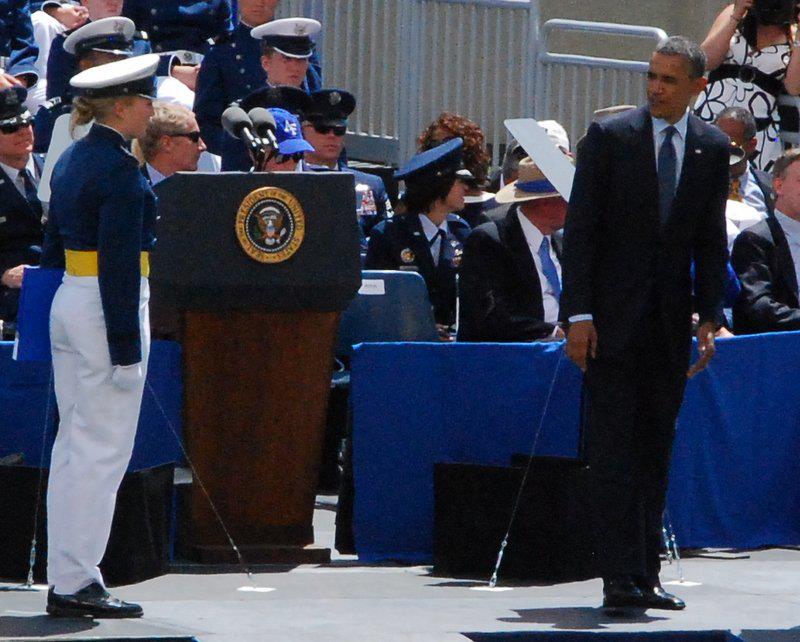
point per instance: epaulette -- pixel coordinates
(140, 35)
(55, 101)
(455, 218)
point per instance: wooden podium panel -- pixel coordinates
(256, 390)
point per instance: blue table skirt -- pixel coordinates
(24, 402)
(735, 478)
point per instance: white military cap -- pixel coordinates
(293, 37)
(128, 77)
(110, 35)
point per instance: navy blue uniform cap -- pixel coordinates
(330, 107)
(12, 106)
(292, 99)
(443, 160)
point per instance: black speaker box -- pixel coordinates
(139, 545)
(551, 537)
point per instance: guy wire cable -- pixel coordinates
(195, 476)
(537, 434)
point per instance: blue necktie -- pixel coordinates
(667, 174)
(30, 193)
(437, 258)
(549, 267)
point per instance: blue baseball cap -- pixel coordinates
(289, 133)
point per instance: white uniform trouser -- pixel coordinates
(95, 435)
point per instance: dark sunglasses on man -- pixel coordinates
(338, 130)
(14, 125)
(192, 136)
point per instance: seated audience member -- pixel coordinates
(476, 160)
(171, 143)
(294, 100)
(175, 25)
(95, 43)
(738, 214)
(753, 186)
(325, 126)
(17, 44)
(291, 144)
(62, 65)
(427, 238)
(20, 210)
(767, 259)
(511, 276)
(232, 68)
(54, 18)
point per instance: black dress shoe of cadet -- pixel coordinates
(658, 598)
(91, 601)
(621, 593)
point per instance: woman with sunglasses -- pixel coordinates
(100, 229)
(427, 238)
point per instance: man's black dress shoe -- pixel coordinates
(92, 601)
(657, 598)
(622, 593)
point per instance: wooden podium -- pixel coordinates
(261, 266)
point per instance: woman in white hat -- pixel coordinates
(100, 229)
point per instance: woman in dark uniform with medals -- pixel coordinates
(428, 238)
(100, 230)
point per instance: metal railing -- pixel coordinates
(406, 61)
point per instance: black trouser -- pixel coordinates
(633, 399)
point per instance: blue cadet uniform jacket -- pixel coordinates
(61, 65)
(20, 238)
(179, 24)
(45, 120)
(231, 70)
(102, 202)
(399, 243)
(16, 38)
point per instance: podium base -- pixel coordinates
(263, 554)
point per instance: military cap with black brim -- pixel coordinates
(292, 99)
(108, 35)
(129, 77)
(293, 37)
(330, 107)
(443, 160)
(12, 107)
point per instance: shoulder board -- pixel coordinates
(55, 101)
(457, 220)
(140, 35)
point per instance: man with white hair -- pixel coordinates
(510, 281)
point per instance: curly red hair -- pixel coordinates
(450, 125)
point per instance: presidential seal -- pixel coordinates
(270, 225)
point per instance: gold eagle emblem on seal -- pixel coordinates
(270, 225)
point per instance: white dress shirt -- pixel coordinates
(751, 193)
(679, 143)
(15, 177)
(791, 229)
(431, 230)
(534, 238)
(155, 176)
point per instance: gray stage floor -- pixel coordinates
(757, 597)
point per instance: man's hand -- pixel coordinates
(187, 74)
(705, 346)
(71, 16)
(581, 343)
(12, 277)
(7, 80)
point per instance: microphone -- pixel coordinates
(264, 125)
(236, 122)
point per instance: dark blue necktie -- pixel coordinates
(30, 193)
(549, 267)
(667, 174)
(440, 234)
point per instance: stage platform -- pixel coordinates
(755, 594)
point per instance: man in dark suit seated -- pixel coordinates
(510, 276)
(648, 201)
(20, 209)
(767, 257)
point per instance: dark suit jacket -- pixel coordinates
(21, 234)
(500, 292)
(619, 261)
(400, 243)
(768, 300)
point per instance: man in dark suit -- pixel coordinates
(767, 257)
(20, 210)
(510, 278)
(648, 198)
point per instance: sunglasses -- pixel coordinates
(15, 127)
(338, 130)
(192, 136)
(285, 158)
